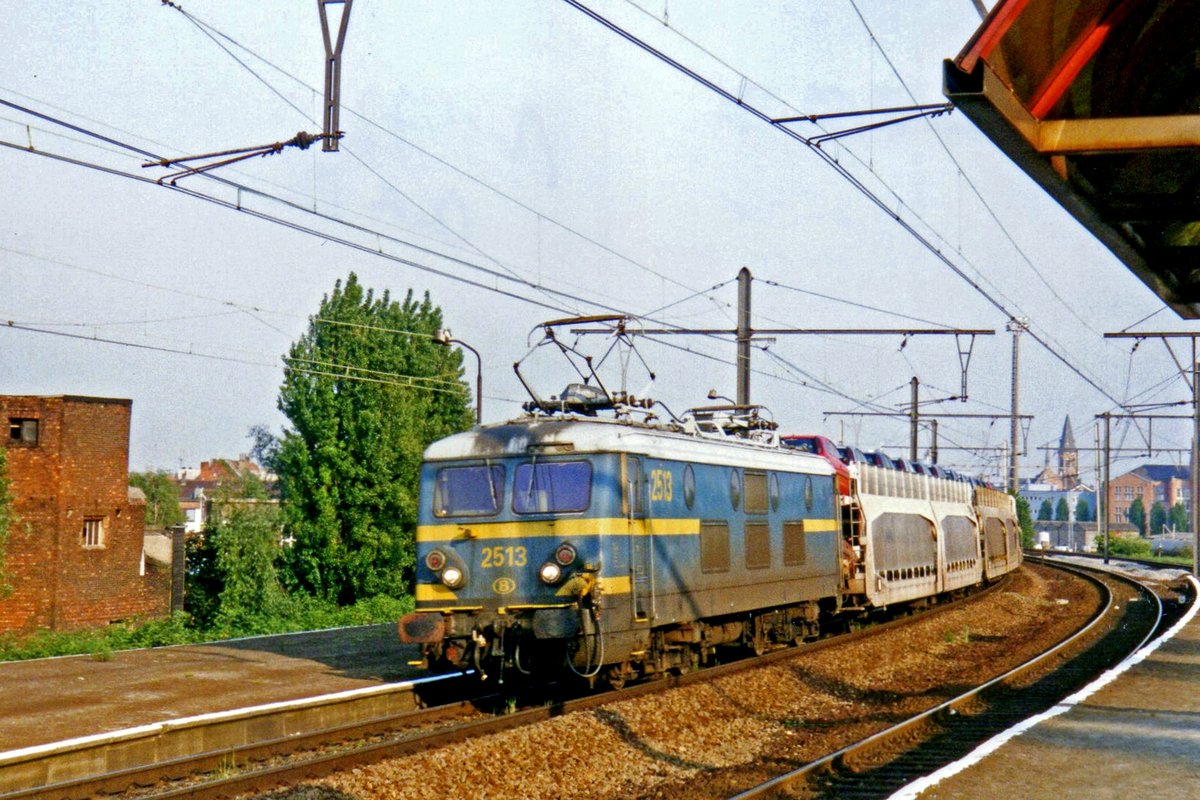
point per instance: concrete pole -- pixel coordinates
(743, 338)
(914, 420)
(1194, 478)
(1015, 326)
(1107, 476)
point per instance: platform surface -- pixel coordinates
(49, 700)
(1135, 732)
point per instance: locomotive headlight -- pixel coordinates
(452, 576)
(435, 560)
(565, 554)
(550, 572)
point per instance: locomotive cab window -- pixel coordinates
(468, 491)
(552, 487)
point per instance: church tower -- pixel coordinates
(1068, 456)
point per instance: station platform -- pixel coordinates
(1134, 732)
(55, 699)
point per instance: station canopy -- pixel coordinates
(1099, 102)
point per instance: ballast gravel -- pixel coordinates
(714, 739)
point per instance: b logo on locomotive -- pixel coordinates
(504, 585)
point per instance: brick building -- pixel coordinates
(76, 556)
(1153, 483)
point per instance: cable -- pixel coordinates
(844, 173)
(213, 32)
(213, 357)
(963, 173)
(853, 303)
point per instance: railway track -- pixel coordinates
(257, 764)
(883, 763)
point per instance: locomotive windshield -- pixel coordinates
(468, 491)
(805, 444)
(552, 486)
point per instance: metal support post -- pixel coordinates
(333, 71)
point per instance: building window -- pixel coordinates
(93, 532)
(22, 430)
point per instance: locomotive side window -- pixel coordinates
(773, 488)
(735, 489)
(714, 546)
(758, 543)
(468, 491)
(552, 487)
(756, 492)
(689, 486)
(793, 543)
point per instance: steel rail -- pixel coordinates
(842, 758)
(258, 732)
(264, 778)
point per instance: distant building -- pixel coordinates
(196, 486)
(1153, 483)
(1055, 484)
(1066, 477)
(77, 551)
(1068, 456)
(1078, 536)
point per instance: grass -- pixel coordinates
(959, 637)
(298, 614)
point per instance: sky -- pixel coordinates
(520, 162)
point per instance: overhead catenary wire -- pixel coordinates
(846, 174)
(966, 176)
(241, 207)
(215, 34)
(406, 381)
(1045, 340)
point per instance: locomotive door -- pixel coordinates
(641, 584)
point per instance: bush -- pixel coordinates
(1130, 548)
(299, 613)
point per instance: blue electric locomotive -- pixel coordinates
(627, 546)
(617, 546)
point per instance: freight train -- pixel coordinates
(622, 547)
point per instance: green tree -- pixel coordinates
(1137, 515)
(1025, 520)
(6, 520)
(367, 389)
(1046, 511)
(162, 498)
(1180, 519)
(1158, 517)
(1083, 511)
(232, 579)
(1062, 511)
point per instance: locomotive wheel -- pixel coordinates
(616, 676)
